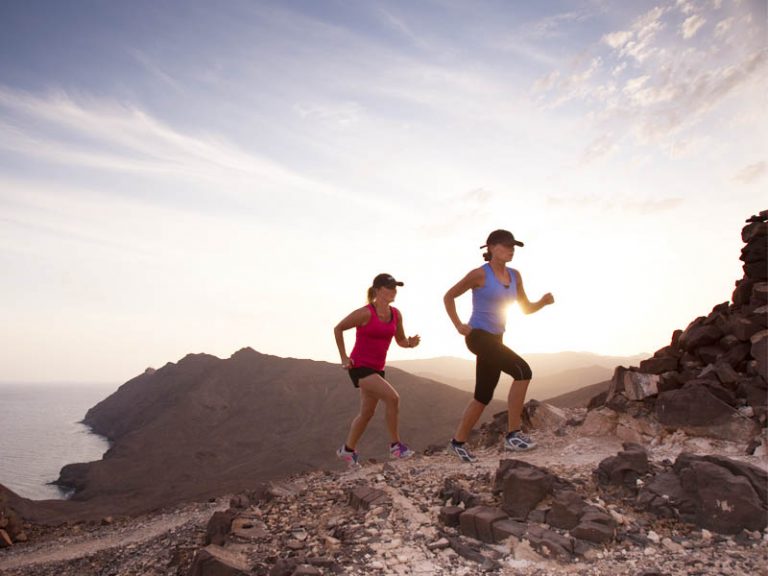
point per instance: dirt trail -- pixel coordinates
(81, 545)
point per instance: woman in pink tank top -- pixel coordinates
(376, 325)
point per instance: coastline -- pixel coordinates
(42, 430)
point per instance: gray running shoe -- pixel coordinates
(461, 451)
(352, 458)
(518, 442)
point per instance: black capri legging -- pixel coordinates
(493, 358)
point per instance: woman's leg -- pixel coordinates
(472, 414)
(376, 388)
(515, 402)
(518, 368)
(487, 373)
(359, 424)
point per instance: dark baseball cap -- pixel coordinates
(502, 237)
(385, 280)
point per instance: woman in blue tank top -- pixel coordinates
(494, 286)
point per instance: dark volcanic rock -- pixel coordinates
(695, 407)
(720, 494)
(625, 468)
(724, 502)
(699, 334)
(522, 486)
(566, 509)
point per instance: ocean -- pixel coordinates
(40, 433)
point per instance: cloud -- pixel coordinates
(338, 115)
(724, 26)
(618, 204)
(661, 76)
(752, 172)
(638, 41)
(599, 147)
(692, 25)
(552, 26)
(618, 39)
(685, 6)
(111, 136)
(473, 205)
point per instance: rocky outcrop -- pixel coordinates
(711, 380)
(712, 492)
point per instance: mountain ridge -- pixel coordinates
(203, 426)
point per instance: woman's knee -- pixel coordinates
(366, 413)
(393, 399)
(484, 396)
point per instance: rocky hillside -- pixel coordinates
(711, 380)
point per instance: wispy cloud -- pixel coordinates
(108, 135)
(752, 172)
(661, 75)
(638, 42)
(599, 147)
(628, 205)
(692, 25)
(470, 206)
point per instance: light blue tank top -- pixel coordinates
(489, 302)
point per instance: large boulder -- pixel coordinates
(659, 364)
(712, 492)
(543, 416)
(729, 496)
(625, 468)
(698, 412)
(522, 486)
(217, 561)
(759, 352)
(699, 334)
(632, 384)
(566, 510)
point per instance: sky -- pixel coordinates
(200, 176)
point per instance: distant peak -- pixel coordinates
(246, 352)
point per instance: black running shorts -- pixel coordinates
(357, 373)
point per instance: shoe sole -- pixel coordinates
(519, 449)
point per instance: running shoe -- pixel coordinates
(518, 442)
(400, 450)
(350, 457)
(461, 451)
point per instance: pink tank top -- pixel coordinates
(372, 341)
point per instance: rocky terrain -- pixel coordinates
(434, 515)
(712, 379)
